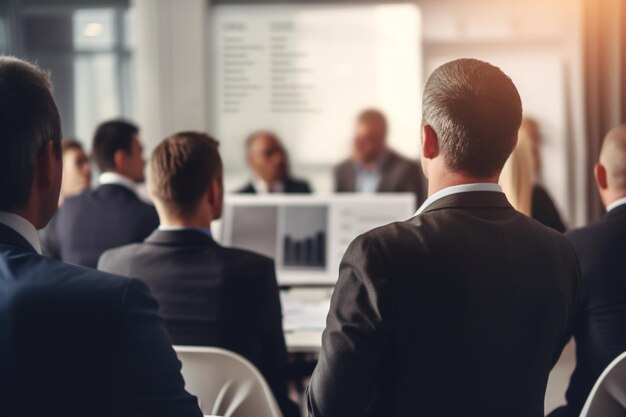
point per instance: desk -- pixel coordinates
(304, 341)
(304, 317)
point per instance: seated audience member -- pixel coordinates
(518, 183)
(76, 180)
(599, 330)
(112, 215)
(451, 313)
(374, 167)
(269, 164)
(209, 295)
(76, 169)
(73, 341)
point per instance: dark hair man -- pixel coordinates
(373, 167)
(268, 161)
(599, 328)
(73, 341)
(112, 215)
(463, 309)
(209, 295)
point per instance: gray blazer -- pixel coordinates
(400, 175)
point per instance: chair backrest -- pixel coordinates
(608, 396)
(225, 383)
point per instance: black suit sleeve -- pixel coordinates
(274, 365)
(358, 330)
(148, 378)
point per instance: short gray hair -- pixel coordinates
(476, 111)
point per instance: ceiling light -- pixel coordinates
(93, 29)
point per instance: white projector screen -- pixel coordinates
(305, 71)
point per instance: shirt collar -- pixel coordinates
(115, 178)
(23, 227)
(455, 189)
(616, 204)
(378, 165)
(262, 187)
(205, 230)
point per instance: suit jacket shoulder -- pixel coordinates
(84, 341)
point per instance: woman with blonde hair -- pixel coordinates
(518, 181)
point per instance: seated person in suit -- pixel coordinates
(518, 180)
(76, 180)
(374, 167)
(599, 330)
(269, 163)
(73, 341)
(209, 295)
(112, 215)
(453, 312)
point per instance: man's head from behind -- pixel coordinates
(185, 176)
(610, 171)
(117, 148)
(30, 142)
(471, 114)
(370, 136)
(266, 156)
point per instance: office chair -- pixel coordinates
(226, 384)
(608, 396)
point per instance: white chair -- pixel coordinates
(225, 383)
(608, 396)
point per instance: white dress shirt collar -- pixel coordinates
(616, 204)
(23, 227)
(262, 187)
(455, 189)
(115, 178)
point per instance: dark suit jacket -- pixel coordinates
(600, 329)
(105, 218)
(460, 311)
(544, 210)
(212, 296)
(400, 175)
(78, 342)
(292, 186)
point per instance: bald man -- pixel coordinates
(267, 159)
(600, 328)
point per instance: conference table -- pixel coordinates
(304, 317)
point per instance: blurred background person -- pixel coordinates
(269, 163)
(373, 166)
(518, 180)
(76, 179)
(191, 275)
(76, 169)
(111, 215)
(599, 327)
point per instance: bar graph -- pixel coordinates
(306, 252)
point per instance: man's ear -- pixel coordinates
(46, 162)
(600, 173)
(430, 144)
(119, 158)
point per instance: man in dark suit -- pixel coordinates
(112, 215)
(209, 295)
(73, 341)
(374, 167)
(463, 309)
(600, 327)
(267, 159)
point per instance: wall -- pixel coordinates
(539, 43)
